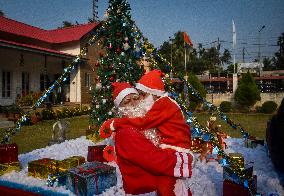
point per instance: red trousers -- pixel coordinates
(166, 186)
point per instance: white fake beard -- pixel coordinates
(147, 103)
(131, 111)
(137, 111)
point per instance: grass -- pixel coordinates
(38, 136)
(254, 124)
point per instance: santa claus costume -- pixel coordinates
(141, 168)
(165, 115)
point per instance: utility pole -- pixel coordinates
(259, 55)
(171, 42)
(95, 11)
(243, 54)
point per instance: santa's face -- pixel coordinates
(130, 100)
(128, 106)
(135, 106)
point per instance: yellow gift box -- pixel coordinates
(236, 161)
(70, 162)
(8, 167)
(42, 168)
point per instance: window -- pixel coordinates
(87, 79)
(41, 82)
(25, 83)
(6, 84)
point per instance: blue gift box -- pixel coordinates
(229, 174)
(91, 178)
(58, 179)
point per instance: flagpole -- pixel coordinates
(234, 44)
(234, 62)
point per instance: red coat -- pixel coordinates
(165, 115)
(140, 162)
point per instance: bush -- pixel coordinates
(85, 110)
(29, 99)
(258, 109)
(268, 107)
(72, 112)
(66, 112)
(247, 93)
(77, 111)
(226, 106)
(59, 114)
(48, 114)
(13, 109)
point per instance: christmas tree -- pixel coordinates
(120, 62)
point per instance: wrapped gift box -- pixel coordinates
(42, 168)
(58, 179)
(196, 145)
(232, 189)
(236, 161)
(91, 178)
(238, 177)
(95, 153)
(8, 167)
(8, 153)
(70, 162)
(252, 143)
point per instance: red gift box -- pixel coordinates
(15, 192)
(232, 189)
(95, 153)
(8, 153)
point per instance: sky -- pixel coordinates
(204, 20)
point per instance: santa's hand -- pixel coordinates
(107, 128)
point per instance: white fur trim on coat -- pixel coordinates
(179, 149)
(152, 91)
(111, 126)
(154, 193)
(124, 93)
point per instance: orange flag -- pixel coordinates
(187, 39)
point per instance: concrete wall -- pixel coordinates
(33, 64)
(69, 48)
(216, 99)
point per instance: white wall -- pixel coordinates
(70, 48)
(75, 85)
(216, 99)
(33, 64)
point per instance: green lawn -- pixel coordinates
(255, 124)
(38, 136)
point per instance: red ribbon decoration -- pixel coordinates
(92, 171)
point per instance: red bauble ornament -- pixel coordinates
(97, 64)
(118, 50)
(111, 78)
(118, 33)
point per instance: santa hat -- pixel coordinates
(152, 83)
(120, 90)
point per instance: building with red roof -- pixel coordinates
(32, 58)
